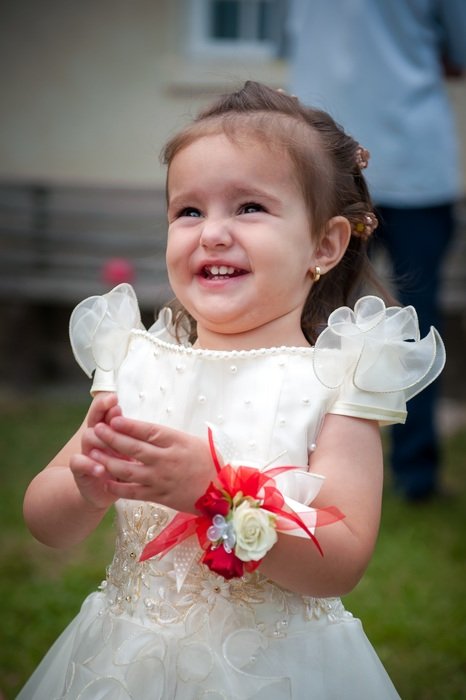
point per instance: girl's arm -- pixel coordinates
(349, 455)
(66, 501)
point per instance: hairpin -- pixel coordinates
(287, 94)
(361, 157)
(365, 228)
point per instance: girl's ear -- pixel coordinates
(333, 244)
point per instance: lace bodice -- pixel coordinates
(148, 589)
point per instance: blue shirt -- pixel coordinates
(376, 67)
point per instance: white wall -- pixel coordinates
(91, 89)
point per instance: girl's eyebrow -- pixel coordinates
(236, 190)
(252, 192)
(180, 199)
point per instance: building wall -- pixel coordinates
(91, 90)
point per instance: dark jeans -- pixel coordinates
(416, 240)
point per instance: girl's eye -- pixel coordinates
(251, 208)
(190, 211)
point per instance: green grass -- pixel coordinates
(411, 600)
(41, 589)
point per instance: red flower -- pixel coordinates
(212, 502)
(226, 564)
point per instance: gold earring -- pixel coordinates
(316, 274)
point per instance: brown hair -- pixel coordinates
(327, 169)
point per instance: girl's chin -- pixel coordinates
(222, 323)
(216, 311)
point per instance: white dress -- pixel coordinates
(142, 636)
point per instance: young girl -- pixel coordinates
(213, 432)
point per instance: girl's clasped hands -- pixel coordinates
(126, 458)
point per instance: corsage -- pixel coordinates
(241, 517)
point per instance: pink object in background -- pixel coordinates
(117, 270)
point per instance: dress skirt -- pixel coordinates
(211, 655)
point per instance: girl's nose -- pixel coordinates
(215, 232)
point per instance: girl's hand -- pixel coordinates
(163, 465)
(92, 482)
(104, 408)
(91, 476)
(67, 500)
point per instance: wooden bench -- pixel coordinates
(55, 242)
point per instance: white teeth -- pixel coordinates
(221, 270)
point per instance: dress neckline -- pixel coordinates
(189, 350)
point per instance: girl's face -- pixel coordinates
(239, 250)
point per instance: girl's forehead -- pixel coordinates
(244, 139)
(248, 147)
(247, 159)
(278, 132)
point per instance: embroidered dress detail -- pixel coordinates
(133, 588)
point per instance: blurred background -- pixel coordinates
(90, 92)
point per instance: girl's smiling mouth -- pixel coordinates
(220, 272)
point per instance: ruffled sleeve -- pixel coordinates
(375, 357)
(100, 329)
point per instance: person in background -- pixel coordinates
(378, 67)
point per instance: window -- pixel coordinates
(238, 27)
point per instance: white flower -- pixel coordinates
(255, 531)
(213, 587)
